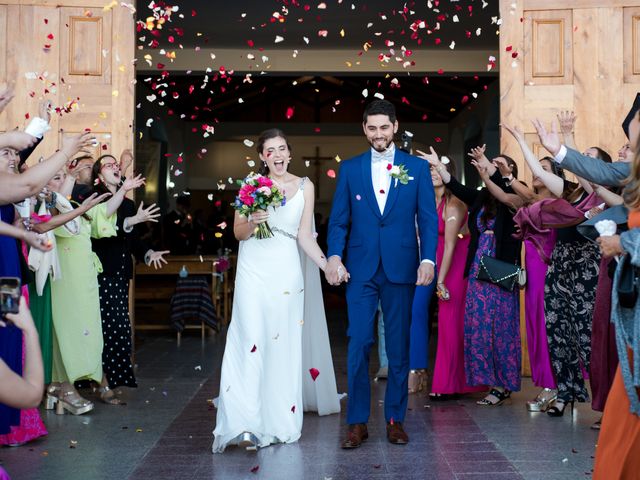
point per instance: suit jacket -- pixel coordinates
(370, 237)
(507, 247)
(595, 170)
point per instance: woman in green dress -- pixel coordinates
(77, 325)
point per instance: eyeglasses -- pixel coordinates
(111, 166)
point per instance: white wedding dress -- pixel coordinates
(277, 335)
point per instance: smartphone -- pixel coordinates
(9, 295)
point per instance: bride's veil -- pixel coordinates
(320, 395)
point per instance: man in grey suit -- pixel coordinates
(589, 168)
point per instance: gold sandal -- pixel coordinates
(417, 381)
(109, 397)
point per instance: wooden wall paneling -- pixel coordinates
(631, 40)
(586, 43)
(3, 59)
(544, 102)
(123, 68)
(610, 77)
(548, 59)
(576, 4)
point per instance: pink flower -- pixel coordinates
(247, 200)
(265, 182)
(265, 191)
(246, 190)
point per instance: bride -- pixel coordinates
(277, 360)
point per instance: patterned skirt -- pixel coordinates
(116, 330)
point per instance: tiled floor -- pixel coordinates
(165, 433)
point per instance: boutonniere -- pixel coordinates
(399, 173)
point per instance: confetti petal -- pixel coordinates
(253, 349)
(314, 373)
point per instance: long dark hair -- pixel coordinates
(268, 135)
(98, 185)
(490, 204)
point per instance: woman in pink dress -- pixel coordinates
(448, 373)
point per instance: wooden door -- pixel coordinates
(77, 54)
(580, 55)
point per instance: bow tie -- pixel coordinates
(386, 156)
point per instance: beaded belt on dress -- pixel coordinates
(286, 234)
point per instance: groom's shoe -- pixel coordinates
(356, 434)
(396, 434)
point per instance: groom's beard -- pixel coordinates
(378, 149)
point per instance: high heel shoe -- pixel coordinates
(558, 408)
(542, 402)
(495, 398)
(51, 398)
(417, 380)
(248, 441)
(71, 402)
(108, 396)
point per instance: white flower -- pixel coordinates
(395, 170)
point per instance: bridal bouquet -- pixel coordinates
(258, 192)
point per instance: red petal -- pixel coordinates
(250, 43)
(255, 469)
(314, 373)
(465, 99)
(293, 409)
(254, 349)
(290, 111)
(50, 36)
(26, 115)
(389, 166)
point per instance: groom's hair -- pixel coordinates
(380, 107)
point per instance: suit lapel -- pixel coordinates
(367, 182)
(394, 187)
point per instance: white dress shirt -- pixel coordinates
(380, 174)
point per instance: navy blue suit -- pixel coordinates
(380, 252)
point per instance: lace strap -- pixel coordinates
(302, 182)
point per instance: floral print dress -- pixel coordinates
(491, 324)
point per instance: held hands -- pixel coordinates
(425, 274)
(549, 140)
(335, 272)
(610, 246)
(567, 121)
(157, 258)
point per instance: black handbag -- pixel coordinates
(503, 274)
(628, 283)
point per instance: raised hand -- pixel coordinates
(567, 121)
(515, 131)
(157, 258)
(17, 140)
(149, 214)
(482, 169)
(132, 183)
(549, 140)
(72, 145)
(477, 153)
(432, 157)
(126, 160)
(503, 166)
(93, 200)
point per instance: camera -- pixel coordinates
(405, 141)
(9, 295)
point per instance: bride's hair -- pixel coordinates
(268, 135)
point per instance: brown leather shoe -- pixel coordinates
(356, 434)
(396, 434)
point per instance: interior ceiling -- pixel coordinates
(320, 97)
(314, 99)
(348, 23)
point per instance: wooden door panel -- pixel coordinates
(632, 45)
(548, 47)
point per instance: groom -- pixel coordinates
(373, 228)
